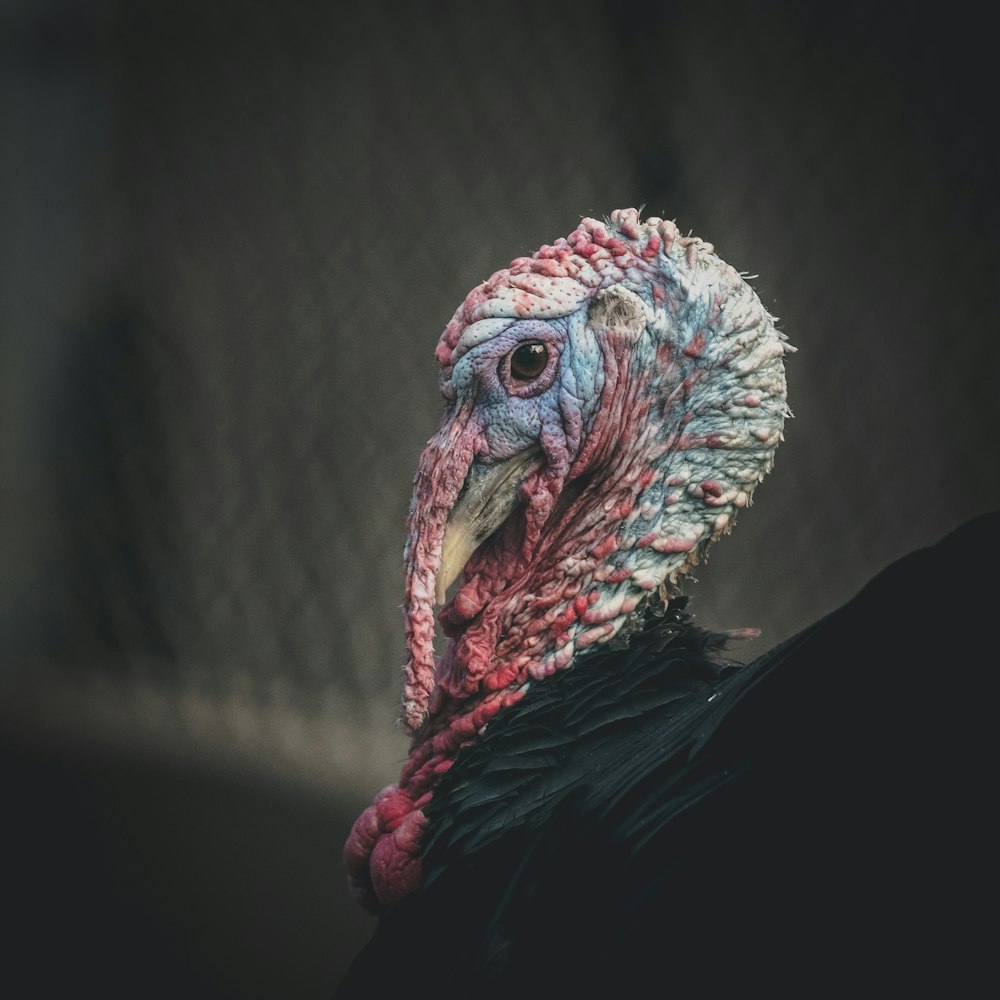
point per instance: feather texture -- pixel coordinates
(659, 815)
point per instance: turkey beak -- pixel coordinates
(490, 494)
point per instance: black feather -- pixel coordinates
(658, 817)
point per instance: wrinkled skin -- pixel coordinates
(656, 411)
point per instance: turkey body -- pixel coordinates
(661, 818)
(596, 800)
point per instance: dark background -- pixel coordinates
(231, 234)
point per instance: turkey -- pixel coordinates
(598, 797)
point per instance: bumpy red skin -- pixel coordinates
(548, 587)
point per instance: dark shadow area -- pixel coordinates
(125, 876)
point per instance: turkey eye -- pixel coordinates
(528, 361)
